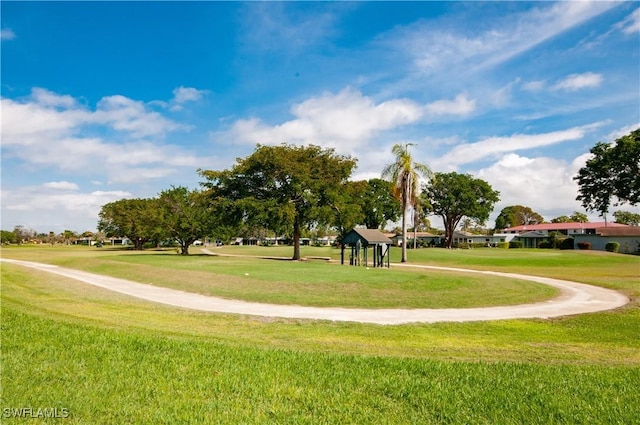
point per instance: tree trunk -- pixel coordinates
(184, 248)
(296, 239)
(404, 228)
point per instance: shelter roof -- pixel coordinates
(368, 236)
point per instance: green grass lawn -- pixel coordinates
(108, 358)
(311, 283)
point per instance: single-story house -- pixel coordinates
(532, 238)
(628, 237)
(568, 229)
(424, 237)
(461, 237)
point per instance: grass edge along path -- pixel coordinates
(577, 298)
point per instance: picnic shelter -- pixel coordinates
(360, 240)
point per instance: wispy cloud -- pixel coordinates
(461, 105)
(631, 24)
(435, 46)
(7, 34)
(493, 146)
(61, 185)
(278, 26)
(579, 81)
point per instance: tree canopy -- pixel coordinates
(611, 175)
(186, 216)
(139, 220)
(454, 196)
(627, 217)
(282, 186)
(379, 204)
(517, 215)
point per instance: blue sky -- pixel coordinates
(102, 101)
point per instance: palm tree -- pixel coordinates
(404, 174)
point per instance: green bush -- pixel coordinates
(516, 244)
(612, 246)
(566, 243)
(545, 244)
(503, 245)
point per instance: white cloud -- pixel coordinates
(49, 129)
(544, 184)
(132, 116)
(46, 98)
(187, 94)
(575, 82)
(631, 24)
(343, 121)
(616, 134)
(536, 85)
(461, 105)
(7, 34)
(471, 152)
(48, 208)
(182, 95)
(61, 185)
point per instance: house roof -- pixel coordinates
(619, 231)
(562, 226)
(369, 236)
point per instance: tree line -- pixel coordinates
(288, 190)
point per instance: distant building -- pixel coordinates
(628, 237)
(596, 233)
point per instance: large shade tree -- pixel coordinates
(517, 215)
(282, 186)
(140, 220)
(611, 175)
(186, 216)
(404, 173)
(455, 196)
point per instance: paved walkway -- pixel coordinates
(575, 298)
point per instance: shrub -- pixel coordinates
(584, 245)
(515, 244)
(503, 245)
(566, 243)
(612, 246)
(545, 244)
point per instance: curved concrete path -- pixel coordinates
(575, 298)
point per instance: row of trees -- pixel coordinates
(21, 234)
(291, 189)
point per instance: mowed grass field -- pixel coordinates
(108, 358)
